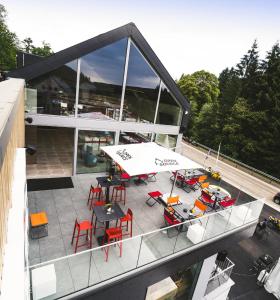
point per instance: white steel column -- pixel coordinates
(77, 87)
(117, 137)
(159, 92)
(75, 152)
(124, 77)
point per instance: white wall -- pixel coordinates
(205, 273)
(13, 284)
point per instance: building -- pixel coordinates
(111, 89)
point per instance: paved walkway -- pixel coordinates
(250, 184)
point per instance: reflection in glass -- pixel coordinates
(134, 138)
(166, 140)
(101, 80)
(142, 87)
(169, 112)
(53, 93)
(90, 159)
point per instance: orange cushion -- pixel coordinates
(38, 219)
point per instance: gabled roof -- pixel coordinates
(64, 56)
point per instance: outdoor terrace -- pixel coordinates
(149, 243)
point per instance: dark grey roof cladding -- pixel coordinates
(64, 56)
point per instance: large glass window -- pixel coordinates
(142, 87)
(90, 158)
(166, 140)
(101, 80)
(54, 92)
(134, 138)
(169, 112)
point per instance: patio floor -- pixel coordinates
(63, 206)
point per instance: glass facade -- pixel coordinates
(53, 93)
(142, 88)
(101, 79)
(169, 112)
(133, 137)
(90, 158)
(166, 140)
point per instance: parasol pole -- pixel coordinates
(175, 179)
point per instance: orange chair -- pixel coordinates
(126, 219)
(204, 185)
(94, 193)
(84, 225)
(173, 200)
(112, 235)
(119, 194)
(39, 222)
(198, 209)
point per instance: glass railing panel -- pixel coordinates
(216, 224)
(254, 211)
(117, 263)
(59, 279)
(157, 245)
(237, 216)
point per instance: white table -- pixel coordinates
(43, 281)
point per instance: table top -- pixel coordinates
(193, 173)
(104, 182)
(219, 192)
(102, 215)
(183, 210)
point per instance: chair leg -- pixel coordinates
(77, 241)
(95, 223)
(131, 228)
(90, 239)
(89, 194)
(74, 231)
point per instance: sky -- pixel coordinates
(187, 36)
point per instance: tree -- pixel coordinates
(44, 50)
(8, 43)
(28, 45)
(200, 88)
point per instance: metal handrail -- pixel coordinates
(270, 177)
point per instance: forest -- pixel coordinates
(240, 109)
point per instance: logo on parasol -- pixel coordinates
(124, 154)
(166, 162)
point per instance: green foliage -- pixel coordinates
(241, 109)
(44, 50)
(8, 43)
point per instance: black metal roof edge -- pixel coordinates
(129, 30)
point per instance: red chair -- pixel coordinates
(125, 178)
(142, 178)
(170, 219)
(206, 198)
(227, 202)
(96, 203)
(126, 219)
(94, 193)
(180, 179)
(84, 225)
(192, 184)
(153, 195)
(119, 194)
(112, 235)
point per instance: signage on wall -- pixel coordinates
(124, 154)
(166, 162)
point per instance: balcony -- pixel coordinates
(151, 243)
